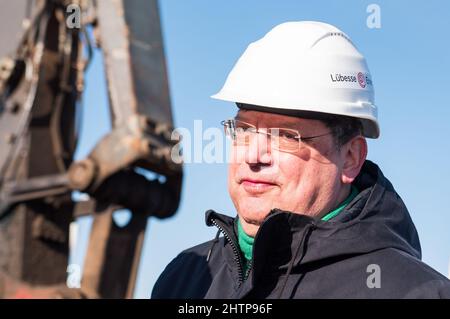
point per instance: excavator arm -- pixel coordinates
(44, 56)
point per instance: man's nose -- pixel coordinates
(258, 150)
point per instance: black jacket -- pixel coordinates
(370, 250)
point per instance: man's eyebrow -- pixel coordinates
(287, 124)
(275, 123)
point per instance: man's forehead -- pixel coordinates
(272, 119)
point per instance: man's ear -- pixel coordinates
(354, 155)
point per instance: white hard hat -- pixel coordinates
(305, 66)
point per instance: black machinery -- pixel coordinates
(44, 52)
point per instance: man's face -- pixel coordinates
(306, 181)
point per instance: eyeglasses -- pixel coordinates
(282, 139)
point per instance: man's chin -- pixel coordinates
(254, 217)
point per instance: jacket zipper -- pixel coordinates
(249, 268)
(237, 256)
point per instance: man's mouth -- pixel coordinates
(255, 186)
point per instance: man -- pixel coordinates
(315, 218)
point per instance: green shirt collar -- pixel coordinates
(245, 242)
(340, 208)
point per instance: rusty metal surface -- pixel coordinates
(113, 256)
(131, 40)
(16, 102)
(133, 52)
(13, 23)
(147, 56)
(34, 229)
(13, 289)
(32, 188)
(115, 45)
(127, 144)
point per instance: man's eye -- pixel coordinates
(246, 128)
(289, 135)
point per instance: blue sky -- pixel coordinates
(409, 58)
